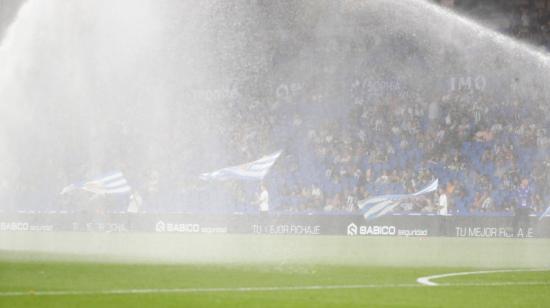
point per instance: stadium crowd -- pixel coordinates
(339, 150)
(477, 147)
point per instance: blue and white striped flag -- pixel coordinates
(545, 214)
(255, 170)
(381, 205)
(111, 183)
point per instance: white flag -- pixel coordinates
(255, 170)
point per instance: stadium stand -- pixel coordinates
(478, 147)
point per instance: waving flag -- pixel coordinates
(255, 170)
(545, 214)
(111, 183)
(381, 205)
(428, 189)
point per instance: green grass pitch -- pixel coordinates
(148, 270)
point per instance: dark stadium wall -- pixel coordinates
(8, 11)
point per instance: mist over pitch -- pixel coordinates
(165, 91)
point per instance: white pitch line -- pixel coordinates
(204, 290)
(261, 289)
(427, 281)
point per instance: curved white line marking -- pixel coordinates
(427, 281)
